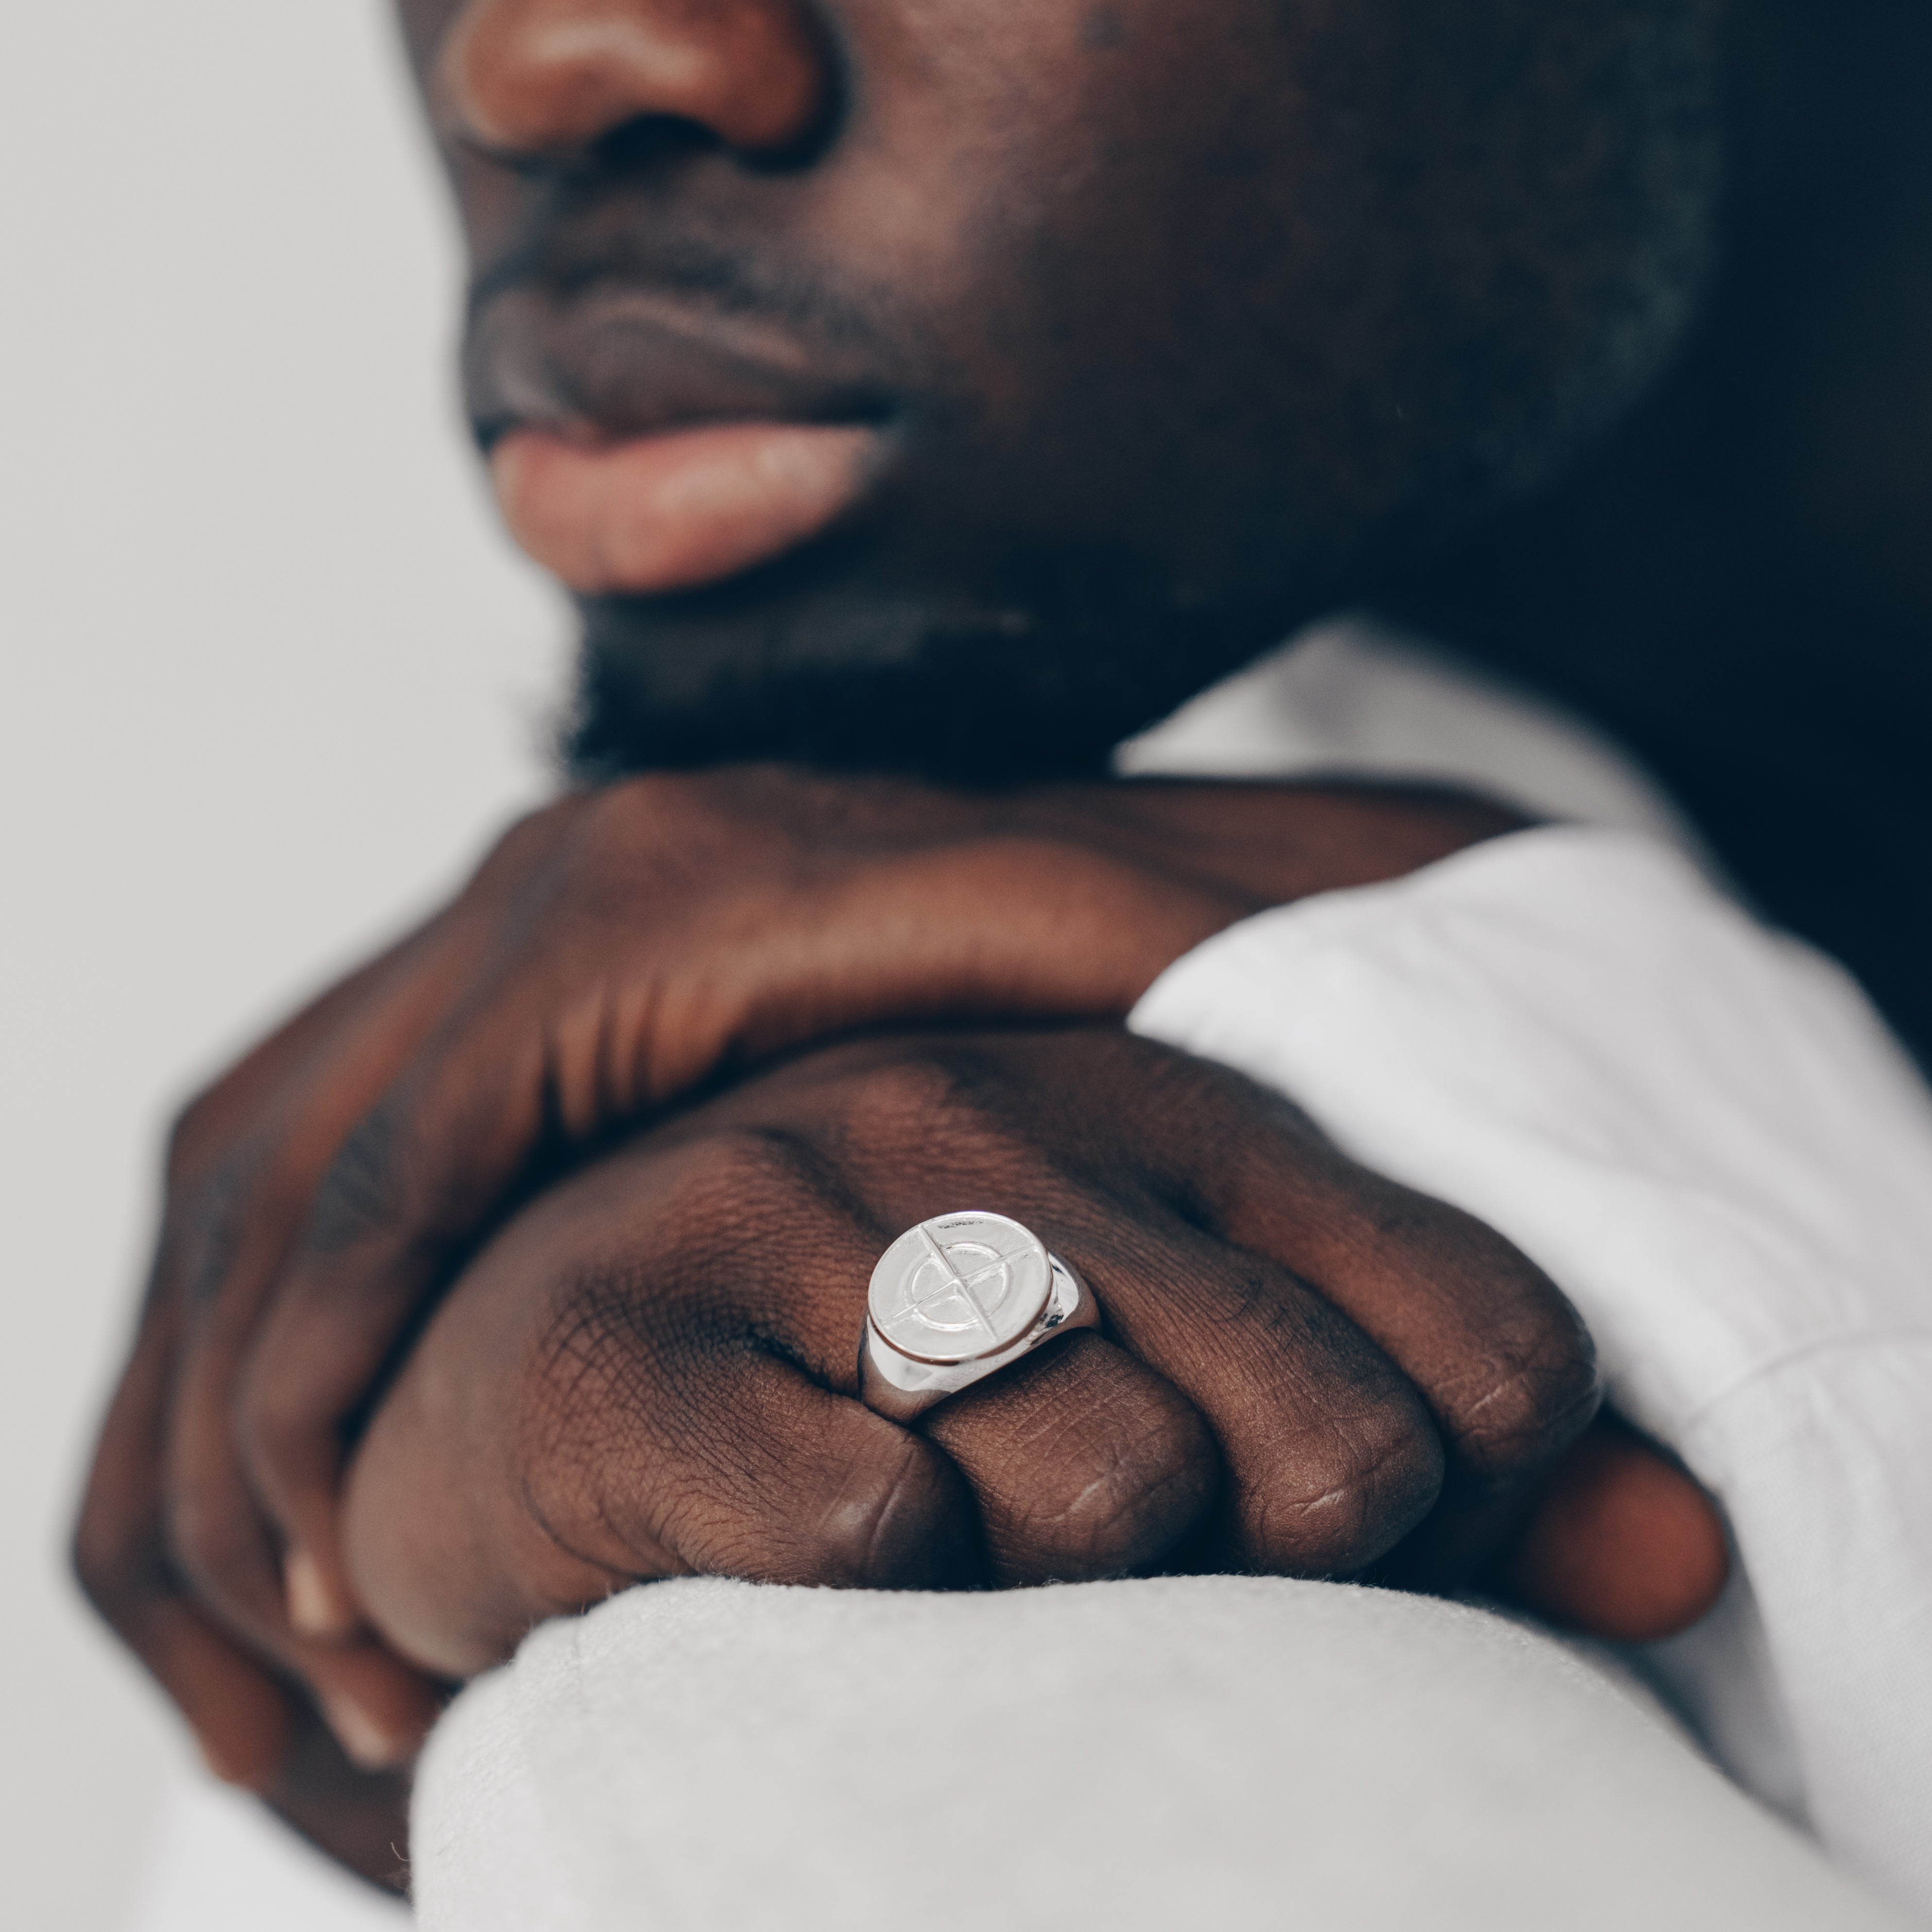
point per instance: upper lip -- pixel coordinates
(619, 356)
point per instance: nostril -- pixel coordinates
(551, 78)
(645, 146)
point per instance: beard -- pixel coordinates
(1038, 677)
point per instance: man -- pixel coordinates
(868, 440)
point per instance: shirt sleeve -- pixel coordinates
(1703, 1133)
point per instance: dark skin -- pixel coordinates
(987, 230)
(615, 951)
(1305, 1368)
(1445, 243)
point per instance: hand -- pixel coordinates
(614, 950)
(629, 944)
(1305, 1368)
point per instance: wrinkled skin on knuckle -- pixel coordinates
(1338, 1497)
(645, 1444)
(1084, 1463)
(879, 1524)
(371, 1186)
(1529, 1398)
(944, 1120)
(594, 1371)
(1090, 1519)
(772, 1202)
(907, 1108)
(209, 1220)
(627, 1410)
(1531, 1413)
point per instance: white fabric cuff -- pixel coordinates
(1702, 1132)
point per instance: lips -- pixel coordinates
(643, 444)
(680, 510)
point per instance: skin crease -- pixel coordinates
(1445, 243)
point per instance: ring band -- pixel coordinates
(957, 1299)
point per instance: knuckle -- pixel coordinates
(618, 1378)
(947, 1102)
(659, 821)
(907, 1093)
(748, 1172)
(208, 1221)
(874, 1530)
(1125, 1501)
(1347, 1495)
(107, 1569)
(366, 1190)
(192, 1135)
(525, 840)
(1529, 1402)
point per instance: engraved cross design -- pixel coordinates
(953, 1282)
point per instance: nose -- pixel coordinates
(549, 78)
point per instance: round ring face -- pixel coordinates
(960, 1286)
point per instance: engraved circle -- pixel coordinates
(960, 1286)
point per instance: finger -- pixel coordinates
(241, 1157)
(1083, 1462)
(232, 1227)
(240, 1718)
(1622, 1543)
(1503, 1360)
(677, 1404)
(216, 1540)
(408, 1186)
(358, 1818)
(252, 1732)
(778, 1481)
(209, 1127)
(379, 1708)
(1331, 1457)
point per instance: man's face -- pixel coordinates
(961, 383)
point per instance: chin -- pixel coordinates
(1037, 675)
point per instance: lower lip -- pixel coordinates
(678, 510)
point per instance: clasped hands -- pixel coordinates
(529, 1262)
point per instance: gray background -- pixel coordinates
(269, 676)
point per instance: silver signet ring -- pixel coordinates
(957, 1299)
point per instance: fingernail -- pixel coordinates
(369, 1742)
(313, 1609)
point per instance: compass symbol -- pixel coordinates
(958, 1286)
(940, 1290)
